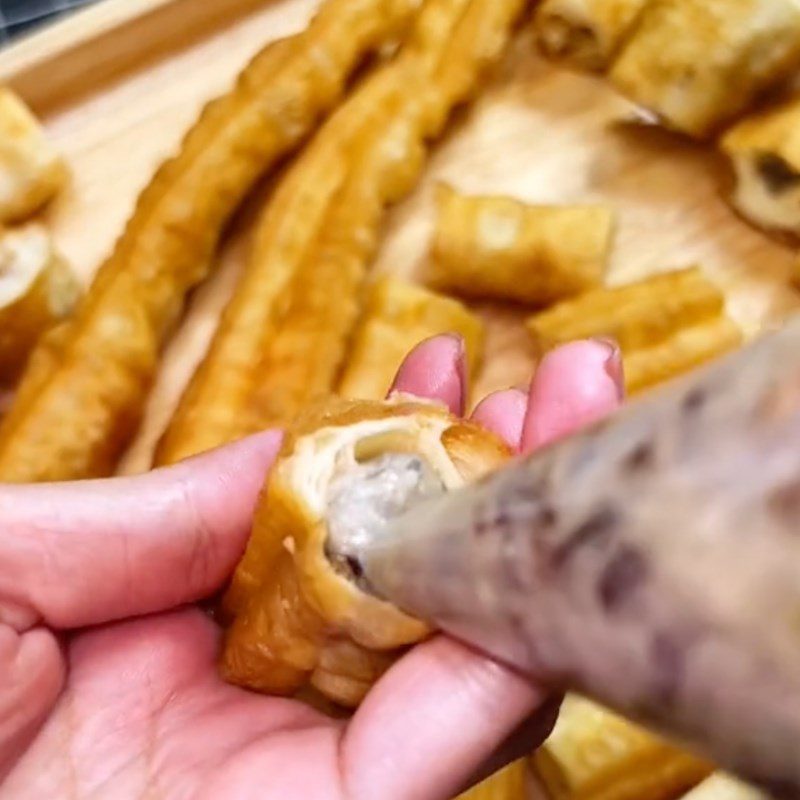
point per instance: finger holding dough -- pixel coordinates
(574, 385)
(436, 370)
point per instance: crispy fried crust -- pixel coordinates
(764, 153)
(510, 783)
(108, 356)
(585, 33)
(664, 324)
(387, 167)
(31, 171)
(594, 755)
(216, 406)
(37, 290)
(398, 316)
(699, 63)
(293, 618)
(686, 349)
(636, 315)
(326, 292)
(499, 247)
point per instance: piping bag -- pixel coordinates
(651, 563)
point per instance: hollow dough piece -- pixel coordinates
(292, 618)
(764, 154)
(585, 33)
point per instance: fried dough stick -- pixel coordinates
(320, 321)
(585, 33)
(84, 398)
(593, 754)
(499, 247)
(214, 407)
(399, 316)
(303, 357)
(288, 350)
(697, 64)
(217, 405)
(764, 152)
(664, 324)
(37, 291)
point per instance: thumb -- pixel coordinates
(78, 554)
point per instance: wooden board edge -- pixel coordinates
(85, 51)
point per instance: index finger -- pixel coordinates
(78, 554)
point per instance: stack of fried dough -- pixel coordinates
(719, 71)
(358, 99)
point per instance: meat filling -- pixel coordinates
(366, 497)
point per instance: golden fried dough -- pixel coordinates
(313, 305)
(697, 64)
(106, 359)
(593, 754)
(386, 168)
(216, 406)
(510, 783)
(31, 171)
(295, 610)
(502, 248)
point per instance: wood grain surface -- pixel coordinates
(127, 94)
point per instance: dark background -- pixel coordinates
(18, 17)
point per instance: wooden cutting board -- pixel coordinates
(118, 85)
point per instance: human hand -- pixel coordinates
(108, 686)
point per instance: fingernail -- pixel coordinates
(613, 364)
